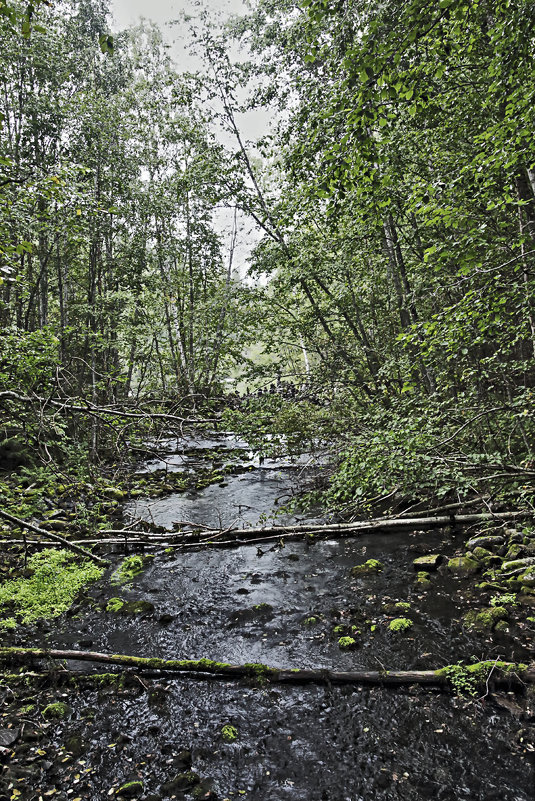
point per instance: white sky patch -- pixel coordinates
(167, 15)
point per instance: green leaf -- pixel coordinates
(106, 43)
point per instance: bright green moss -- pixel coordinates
(128, 568)
(368, 568)
(57, 578)
(470, 679)
(56, 710)
(115, 605)
(400, 624)
(229, 733)
(485, 619)
(346, 642)
(339, 629)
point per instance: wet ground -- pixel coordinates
(286, 605)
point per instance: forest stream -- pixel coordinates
(283, 604)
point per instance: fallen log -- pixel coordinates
(55, 537)
(498, 673)
(241, 536)
(378, 523)
(233, 538)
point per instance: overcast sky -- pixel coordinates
(128, 12)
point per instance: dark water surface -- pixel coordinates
(313, 743)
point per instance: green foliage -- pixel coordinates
(465, 680)
(504, 598)
(28, 359)
(55, 580)
(115, 605)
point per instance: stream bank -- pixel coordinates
(288, 604)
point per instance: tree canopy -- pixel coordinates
(393, 200)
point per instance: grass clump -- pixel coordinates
(55, 580)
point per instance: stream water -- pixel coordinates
(280, 604)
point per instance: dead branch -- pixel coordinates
(23, 524)
(508, 674)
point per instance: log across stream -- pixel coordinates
(488, 673)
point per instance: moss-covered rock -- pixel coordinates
(229, 733)
(347, 643)
(490, 542)
(423, 580)
(396, 607)
(369, 568)
(56, 711)
(487, 558)
(515, 551)
(114, 493)
(119, 606)
(128, 569)
(463, 566)
(427, 563)
(519, 564)
(485, 619)
(400, 625)
(481, 553)
(527, 579)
